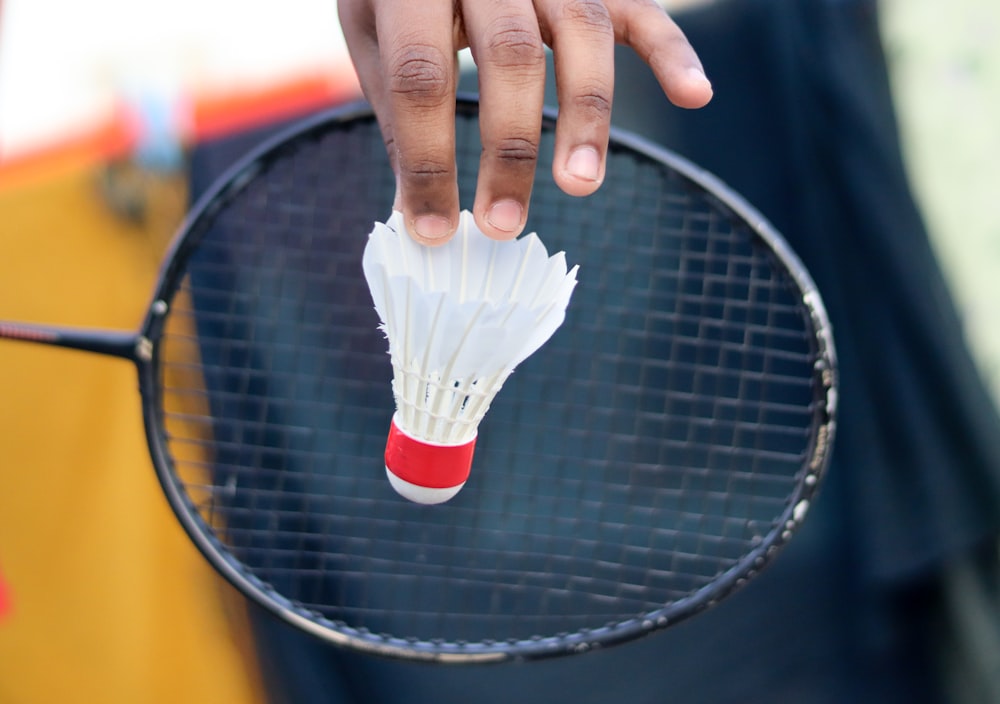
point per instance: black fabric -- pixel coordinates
(803, 125)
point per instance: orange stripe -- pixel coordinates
(212, 115)
(113, 137)
(220, 114)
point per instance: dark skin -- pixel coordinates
(405, 55)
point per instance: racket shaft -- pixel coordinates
(107, 342)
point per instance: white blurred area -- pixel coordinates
(945, 63)
(66, 66)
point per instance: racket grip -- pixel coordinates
(426, 472)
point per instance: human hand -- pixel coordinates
(405, 53)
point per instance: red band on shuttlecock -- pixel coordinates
(427, 464)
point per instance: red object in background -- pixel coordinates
(5, 599)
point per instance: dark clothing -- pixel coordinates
(803, 125)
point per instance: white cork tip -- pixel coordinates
(422, 494)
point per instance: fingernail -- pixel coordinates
(505, 215)
(584, 163)
(696, 74)
(431, 227)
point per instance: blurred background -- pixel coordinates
(945, 66)
(86, 82)
(100, 104)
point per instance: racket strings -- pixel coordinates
(647, 449)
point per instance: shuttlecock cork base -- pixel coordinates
(426, 472)
(459, 318)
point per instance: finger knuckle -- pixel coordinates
(516, 151)
(512, 43)
(593, 104)
(592, 15)
(666, 50)
(419, 72)
(424, 170)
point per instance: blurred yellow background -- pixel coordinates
(111, 602)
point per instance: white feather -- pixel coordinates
(459, 318)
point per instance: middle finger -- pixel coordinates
(417, 45)
(507, 46)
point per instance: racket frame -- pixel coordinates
(143, 349)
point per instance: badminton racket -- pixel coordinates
(650, 459)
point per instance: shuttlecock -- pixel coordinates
(459, 318)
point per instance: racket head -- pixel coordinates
(650, 459)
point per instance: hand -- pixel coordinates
(405, 53)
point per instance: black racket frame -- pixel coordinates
(143, 350)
